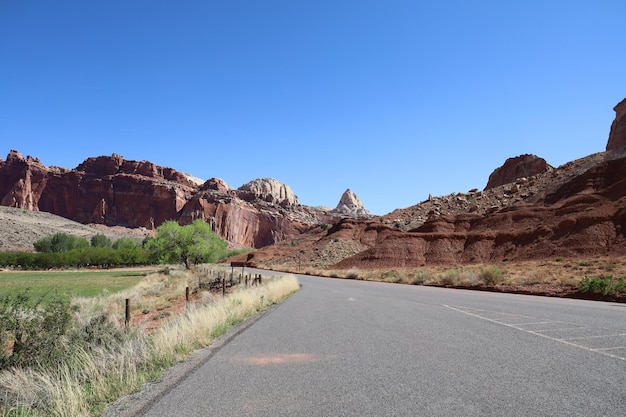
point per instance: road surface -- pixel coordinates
(353, 348)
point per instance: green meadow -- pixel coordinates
(79, 283)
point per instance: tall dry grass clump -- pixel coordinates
(91, 378)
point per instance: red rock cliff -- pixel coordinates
(113, 191)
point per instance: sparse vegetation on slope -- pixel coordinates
(557, 277)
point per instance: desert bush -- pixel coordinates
(393, 276)
(468, 277)
(531, 278)
(99, 331)
(419, 277)
(449, 277)
(352, 274)
(490, 275)
(604, 284)
(34, 330)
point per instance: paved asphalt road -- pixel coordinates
(353, 348)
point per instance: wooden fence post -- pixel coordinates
(187, 294)
(127, 314)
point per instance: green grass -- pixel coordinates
(70, 283)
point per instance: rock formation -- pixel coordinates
(582, 217)
(518, 167)
(216, 184)
(112, 191)
(617, 134)
(269, 190)
(350, 205)
(102, 190)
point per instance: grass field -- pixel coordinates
(70, 283)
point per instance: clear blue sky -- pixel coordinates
(392, 99)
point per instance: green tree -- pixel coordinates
(193, 243)
(100, 241)
(60, 242)
(126, 243)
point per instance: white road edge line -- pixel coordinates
(595, 337)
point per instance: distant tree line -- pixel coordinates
(191, 244)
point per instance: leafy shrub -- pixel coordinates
(604, 284)
(43, 332)
(32, 330)
(100, 241)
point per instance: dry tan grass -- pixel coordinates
(201, 323)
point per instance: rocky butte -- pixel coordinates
(519, 167)
(351, 206)
(113, 191)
